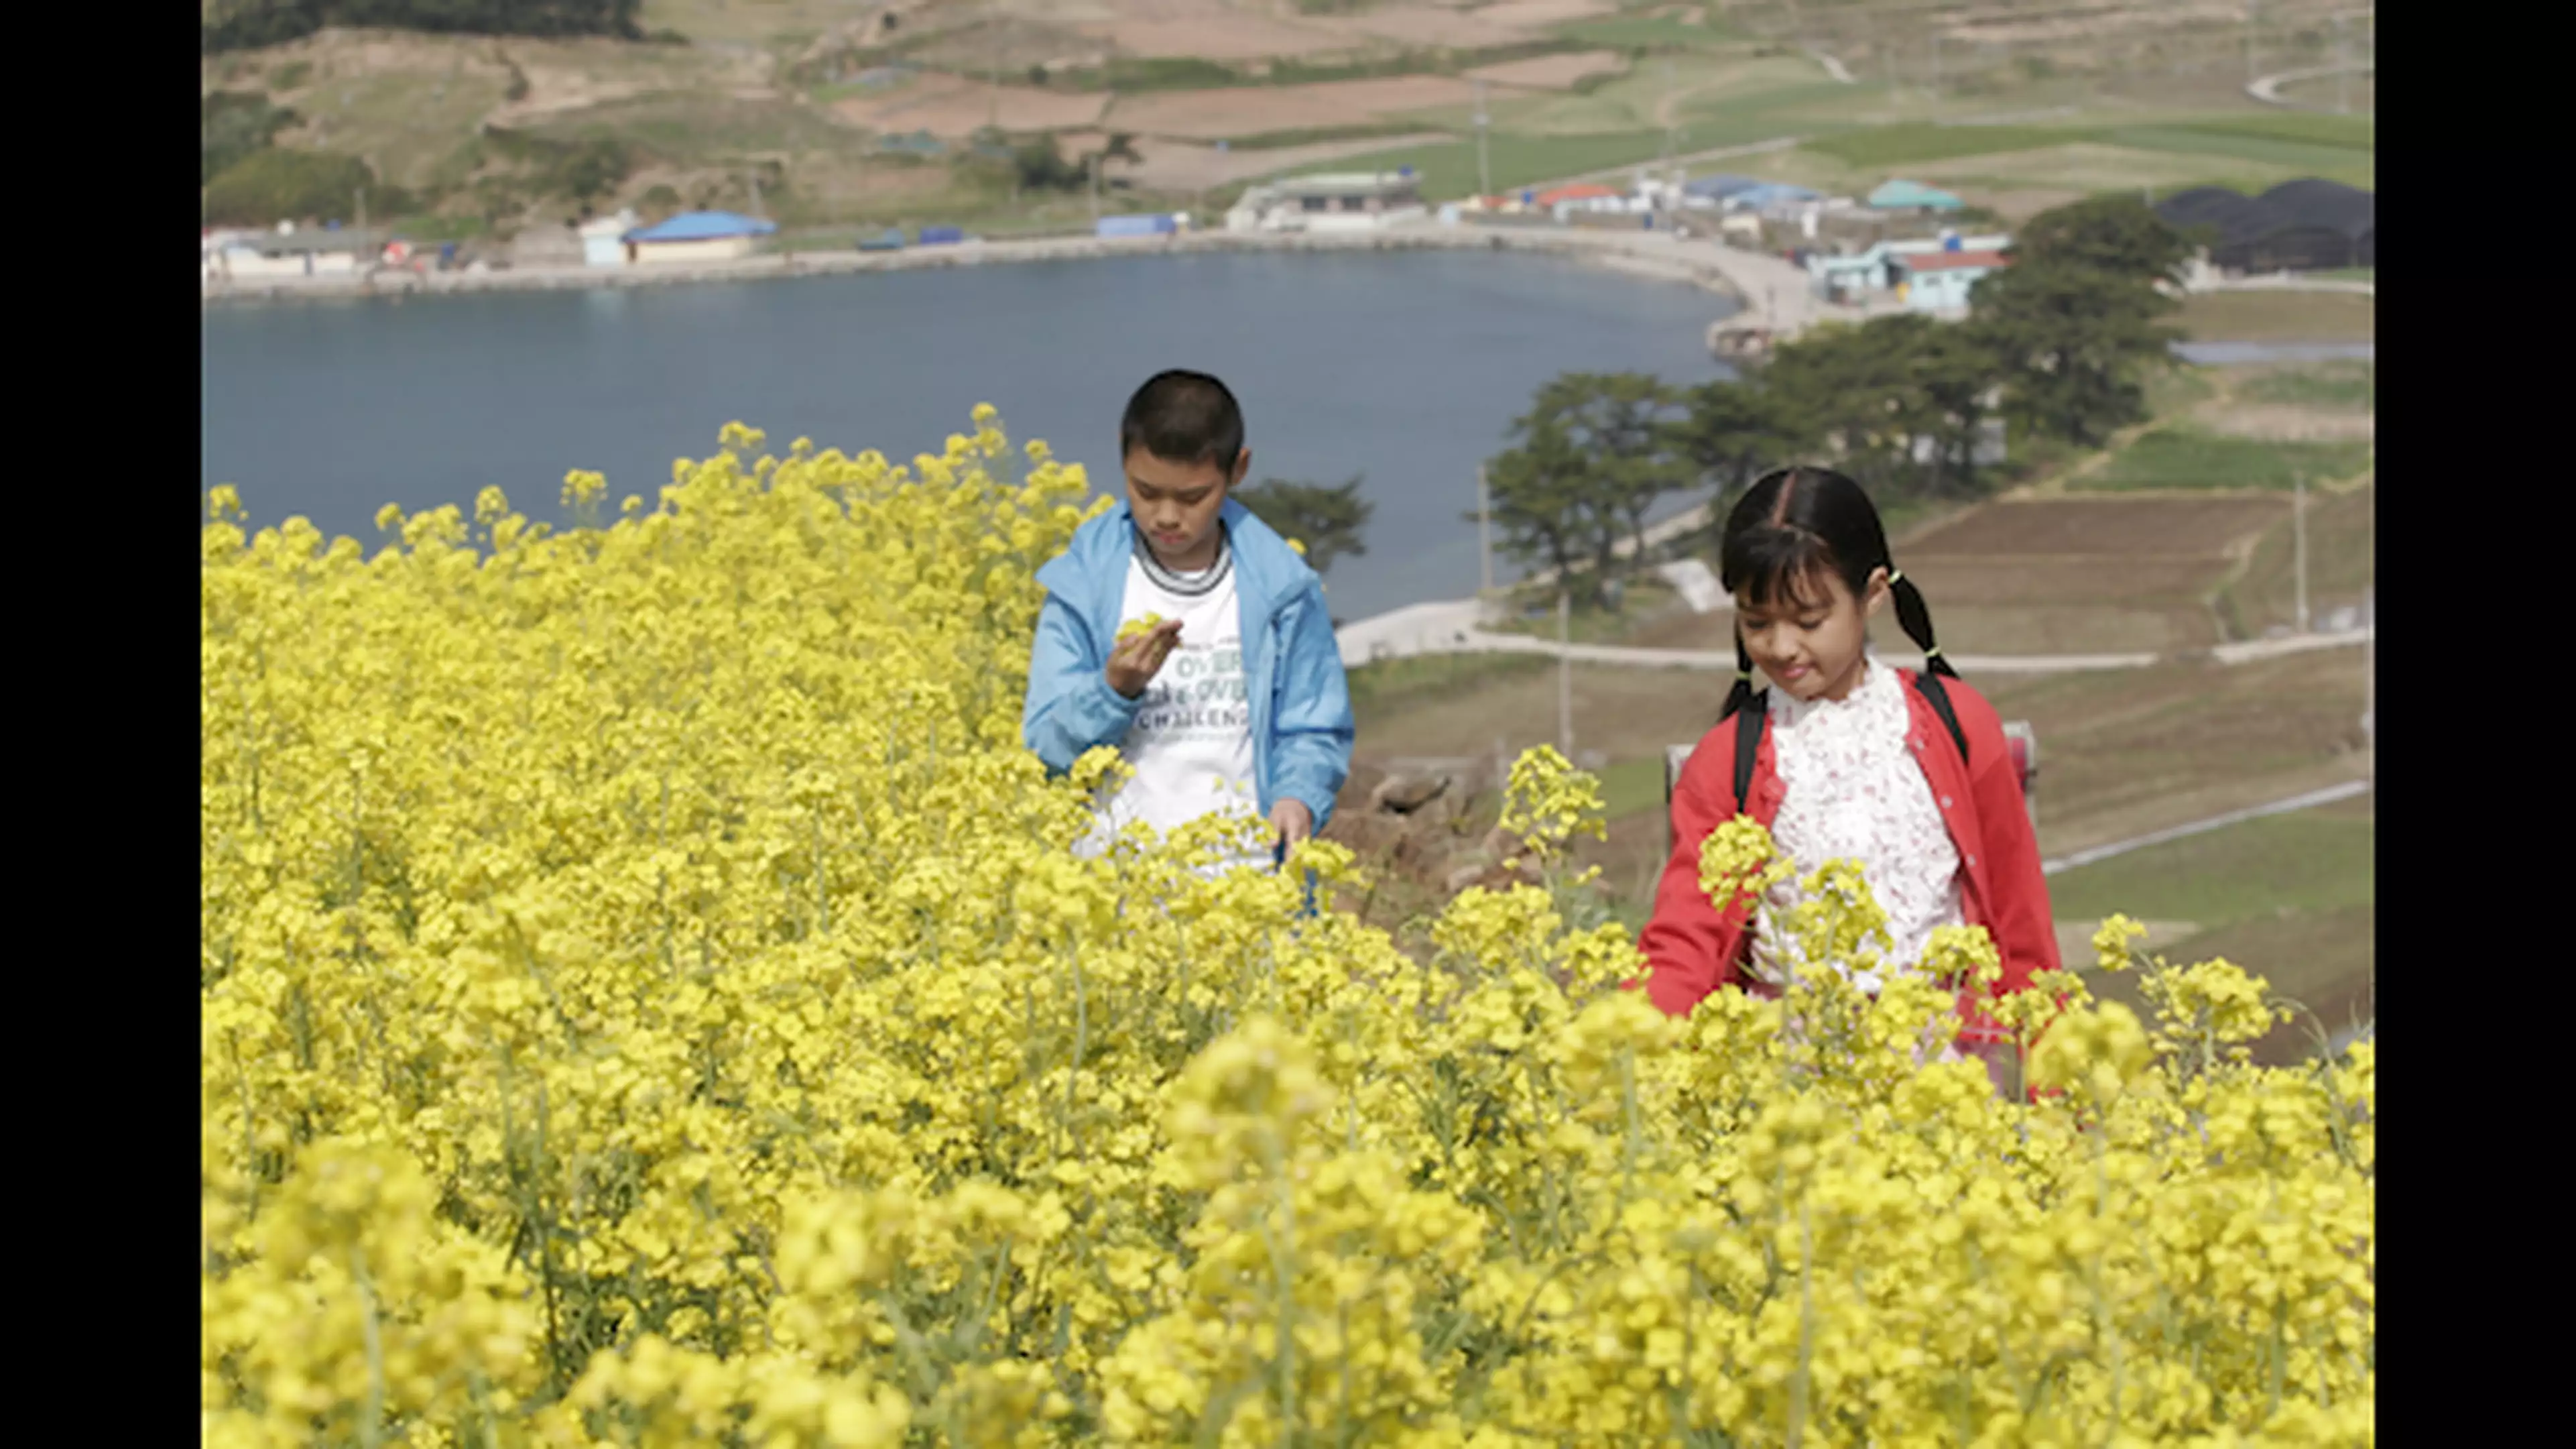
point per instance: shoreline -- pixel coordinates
(1650, 255)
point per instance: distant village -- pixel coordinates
(1901, 246)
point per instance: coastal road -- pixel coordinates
(1457, 626)
(2308, 800)
(1757, 279)
(2268, 89)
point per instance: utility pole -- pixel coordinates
(1667, 101)
(1564, 672)
(2299, 542)
(1484, 173)
(1485, 527)
(2343, 69)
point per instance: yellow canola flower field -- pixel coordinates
(649, 998)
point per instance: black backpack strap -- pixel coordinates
(1930, 684)
(1748, 743)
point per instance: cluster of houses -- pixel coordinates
(228, 254)
(1922, 274)
(1930, 272)
(611, 241)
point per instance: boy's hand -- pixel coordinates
(1293, 821)
(1135, 658)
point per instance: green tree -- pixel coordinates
(232, 125)
(2078, 316)
(2118, 235)
(1733, 432)
(1624, 425)
(1899, 402)
(1593, 456)
(1959, 372)
(1327, 518)
(1849, 393)
(1121, 146)
(249, 24)
(1040, 166)
(1538, 497)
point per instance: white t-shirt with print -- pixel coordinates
(1191, 742)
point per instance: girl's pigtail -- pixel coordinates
(1742, 693)
(1916, 619)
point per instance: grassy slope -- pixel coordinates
(2291, 898)
(2186, 458)
(1724, 90)
(2279, 317)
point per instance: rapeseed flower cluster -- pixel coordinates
(649, 997)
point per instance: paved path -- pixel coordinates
(1755, 278)
(2268, 89)
(2287, 282)
(1457, 626)
(2309, 800)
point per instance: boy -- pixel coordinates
(1235, 701)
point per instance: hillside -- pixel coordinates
(830, 114)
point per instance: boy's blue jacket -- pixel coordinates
(1301, 703)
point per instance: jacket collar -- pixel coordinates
(1092, 572)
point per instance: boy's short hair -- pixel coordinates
(1183, 417)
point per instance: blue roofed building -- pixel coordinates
(1719, 188)
(1771, 194)
(697, 236)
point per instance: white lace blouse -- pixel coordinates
(1853, 790)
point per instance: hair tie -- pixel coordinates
(1745, 674)
(1895, 577)
(1931, 651)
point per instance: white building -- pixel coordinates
(1356, 201)
(287, 252)
(603, 239)
(698, 236)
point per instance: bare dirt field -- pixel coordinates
(2057, 576)
(1182, 166)
(2127, 751)
(1252, 110)
(1550, 72)
(2121, 527)
(946, 105)
(2286, 424)
(2003, 27)
(2279, 317)
(1208, 30)
(2089, 167)
(2018, 204)
(1421, 25)
(2135, 610)
(1534, 13)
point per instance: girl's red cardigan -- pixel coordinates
(1693, 950)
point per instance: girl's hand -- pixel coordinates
(1139, 653)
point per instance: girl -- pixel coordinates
(1845, 758)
